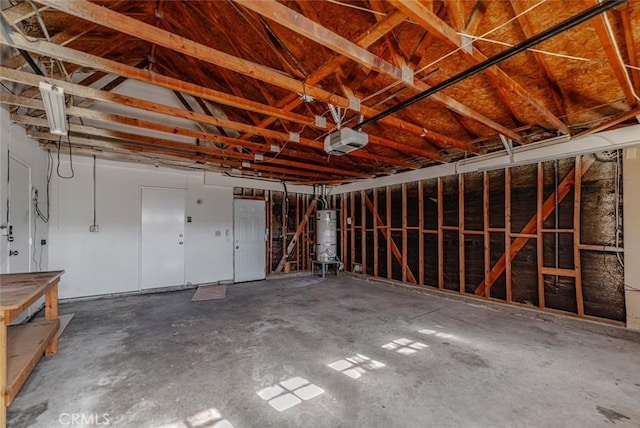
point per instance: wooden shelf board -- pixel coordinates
(25, 345)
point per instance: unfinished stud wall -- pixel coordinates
(543, 235)
(290, 223)
(526, 235)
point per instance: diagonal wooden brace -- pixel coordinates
(394, 248)
(294, 240)
(548, 208)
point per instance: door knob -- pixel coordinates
(13, 253)
(237, 247)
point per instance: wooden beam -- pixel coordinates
(528, 230)
(632, 52)
(344, 228)
(440, 234)
(577, 263)
(609, 44)
(375, 233)
(179, 131)
(94, 13)
(369, 37)
(352, 216)
(388, 233)
(95, 94)
(181, 86)
(507, 238)
(304, 26)
(485, 227)
(527, 29)
(462, 267)
(612, 122)
(502, 81)
(391, 245)
(421, 230)
(296, 236)
(455, 11)
(363, 233)
(213, 162)
(404, 232)
(539, 237)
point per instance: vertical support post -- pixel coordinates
(421, 231)
(577, 265)
(404, 232)
(487, 234)
(440, 236)
(4, 357)
(285, 223)
(343, 229)
(388, 231)
(302, 241)
(375, 233)
(461, 232)
(51, 313)
(507, 232)
(270, 226)
(540, 240)
(363, 230)
(307, 238)
(352, 216)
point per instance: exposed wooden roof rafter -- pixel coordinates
(501, 80)
(296, 22)
(609, 44)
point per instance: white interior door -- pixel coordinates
(162, 237)
(250, 243)
(19, 216)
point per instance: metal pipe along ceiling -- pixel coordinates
(540, 37)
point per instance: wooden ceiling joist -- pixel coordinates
(95, 94)
(304, 26)
(609, 44)
(519, 8)
(196, 153)
(119, 22)
(449, 36)
(179, 131)
(632, 52)
(151, 156)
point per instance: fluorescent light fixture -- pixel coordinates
(55, 108)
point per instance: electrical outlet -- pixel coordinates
(43, 242)
(93, 228)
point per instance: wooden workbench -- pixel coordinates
(21, 346)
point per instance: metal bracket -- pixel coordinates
(508, 146)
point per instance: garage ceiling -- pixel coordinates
(253, 78)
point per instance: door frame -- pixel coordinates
(30, 208)
(264, 204)
(139, 224)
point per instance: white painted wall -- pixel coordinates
(13, 140)
(108, 261)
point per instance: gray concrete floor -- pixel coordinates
(161, 360)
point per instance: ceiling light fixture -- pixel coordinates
(55, 108)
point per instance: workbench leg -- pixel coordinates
(51, 313)
(3, 372)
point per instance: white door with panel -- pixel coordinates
(250, 243)
(19, 216)
(162, 237)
